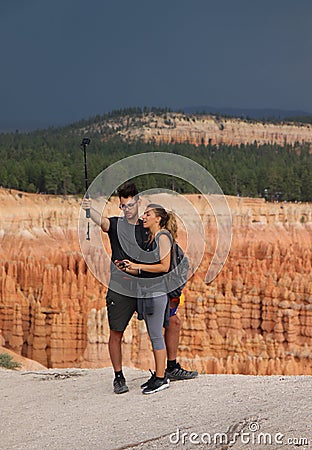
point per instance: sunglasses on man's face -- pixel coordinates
(127, 206)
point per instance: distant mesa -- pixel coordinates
(167, 127)
(256, 114)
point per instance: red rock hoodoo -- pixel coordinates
(254, 318)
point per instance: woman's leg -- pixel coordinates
(160, 362)
(154, 324)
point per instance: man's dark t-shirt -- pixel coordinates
(127, 241)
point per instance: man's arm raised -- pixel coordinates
(95, 216)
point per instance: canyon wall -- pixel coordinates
(205, 130)
(254, 318)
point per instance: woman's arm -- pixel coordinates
(164, 253)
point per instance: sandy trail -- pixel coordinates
(76, 409)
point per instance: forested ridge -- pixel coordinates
(51, 161)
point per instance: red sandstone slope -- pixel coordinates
(25, 363)
(255, 317)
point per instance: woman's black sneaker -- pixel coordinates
(156, 385)
(147, 383)
(177, 373)
(120, 385)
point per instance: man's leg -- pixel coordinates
(114, 347)
(120, 309)
(172, 334)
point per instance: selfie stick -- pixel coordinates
(85, 142)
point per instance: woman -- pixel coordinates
(153, 298)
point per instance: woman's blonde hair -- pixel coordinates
(167, 219)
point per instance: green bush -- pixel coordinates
(7, 361)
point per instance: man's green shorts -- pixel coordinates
(120, 309)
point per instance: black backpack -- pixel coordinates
(179, 266)
(178, 273)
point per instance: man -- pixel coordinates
(127, 236)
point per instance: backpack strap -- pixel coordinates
(166, 232)
(172, 252)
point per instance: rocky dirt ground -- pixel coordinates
(76, 409)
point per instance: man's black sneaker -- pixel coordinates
(150, 380)
(156, 385)
(180, 374)
(120, 385)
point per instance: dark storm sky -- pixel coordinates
(64, 60)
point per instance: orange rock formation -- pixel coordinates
(254, 318)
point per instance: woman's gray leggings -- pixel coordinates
(155, 322)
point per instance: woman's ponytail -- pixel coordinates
(171, 225)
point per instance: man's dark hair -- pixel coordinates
(128, 189)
